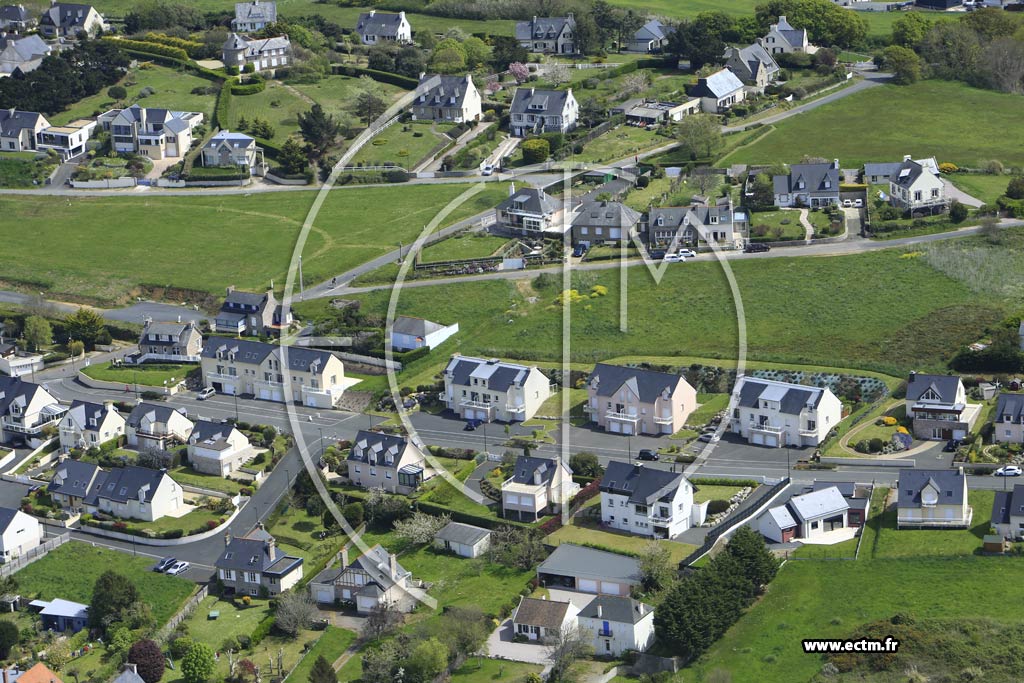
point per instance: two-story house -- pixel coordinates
(18, 129)
(698, 225)
(157, 425)
(374, 28)
(534, 111)
(408, 333)
(880, 173)
(783, 38)
(217, 448)
(1008, 512)
(251, 313)
(651, 37)
(226, 149)
(67, 140)
(88, 425)
(933, 498)
(915, 190)
(240, 366)
(548, 35)
(537, 487)
(938, 407)
(719, 91)
(25, 409)
(168, 342)
(375, 578)
(805, 516)
(647, 501)
(752, 64)
(254, 564)
(259, 53)
(21, 53)
(446, 98)
(490, 389)
(626, 400)
(253, 16)
(542, 620)
(73, 482)
(152, 132)
(808, 185)
(615, 625)
(603, 222)
(69, 20)
(135, 493)
(19, 533)
(17, 363)
(385, 461)
(530, 212)
(1008, 419)
(16, 18)
(776, 414)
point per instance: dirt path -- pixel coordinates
(302, 96)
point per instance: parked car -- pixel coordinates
(487, 170)
(658, 254)
(755, 248)
(471, 425)
(647, 454)
(206, 393)
(672, 258)
(858, 203)
(165, 564)
(951, 445)
(707, 437)
(687, 253)
(178, 568)
(848, 203)
(579, 250)
(1008, 471)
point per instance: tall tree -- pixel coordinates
(369, 102)
(111, 594)
(700, 135)
(9, 636)
(656, 570)
(505, 50)
(826, 23)
(148, 659)
(292, 157)
(295, 611)
(84, 325)
(570, 645)
(197, 664)
(318, 128)
(448, 57)
(904, 64)
(427, 660)
(909, 29)
(758, 563)
(322, 672)
(37, 332)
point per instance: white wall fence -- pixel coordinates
(105, 184)
(32, 555)
(164, 542)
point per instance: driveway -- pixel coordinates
(161, 165)
(500, 646)
(954, 192)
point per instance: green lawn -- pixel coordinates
(276, 104)
(620, 142)
(905, 543)
(148, 375)
(553, 405)
(403, 145)
(987, 188)
(464, 246)
(614, 540)
(910, 114)
(477, 670)
(196, 521)
(71, 570)
(234, 620)
(708, 405)
(332, 644)
(172, 89)
(336, 93)
(355, 225)
(23, 169)
(187, 475)
(714, 492)
(785, 224)
(296, 532)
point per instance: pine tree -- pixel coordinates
(322, 672)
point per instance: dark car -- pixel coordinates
(165, 564)
(647, 454)
(658, 254)
(755, 248)
(471, 425)
(951, 445)
(579, 250)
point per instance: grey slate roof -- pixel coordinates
(212, 435)
(14, 390)
(792, 398)
(547, 614)
(83, 411)
(543, 28)
(795, 37)
(944, 385)
(531, 200)
(782, 517)
(828, 501)
(156, 411)
(814, 177)
(717, 85)
(465, 534)
(882, 169)
(449, 92)
(73, 478)
(908, 173)
(616, 608)
(256, 11)
(126, 483)
(643, 485)
(652, 30)
(1008, 503)
(13, 13)
(378, 24)
(169, 329)
(530, 469)
(129, 676)
(847, 488)
(1009, 409)
(580, 561)
(256, 551)
(26, 48)
(500, 376)
(377, 563)
(233, 139)
(945, 481)
(606, 214)
(13, 123)
(750, 57)
(372, 447)
(537, 101)
(300, 358)
(7, 516)
(648, 384)
(418, 327)
(66, 16)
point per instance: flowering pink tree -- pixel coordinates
(519, 71)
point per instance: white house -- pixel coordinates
(1008, 512)
(376, 578)
(375, 27)
(807, 516)
(446, 98)
(25, 409)
(776, 414)
(933, 499)
(17, 363)
(153, 132)
(464, 540)
(782, 37)
(479, 389)
(648, 501)
(541, 619)
(913, 188)
(21, 53)
(18, 129)
(88, 425)
(135, 493)
(535, 111)
(253, 16)
(233, 149)
(408, 333)
(538, 486)
(217, 448)
(719, 91)
(616, 625)
(651, 37)
(68, 20)
(1008, 419)
(19, 533)
(68, 140)
(259, 53)
(154, 425)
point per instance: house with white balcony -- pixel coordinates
(26, 409)
(1008, 419)
(616, 625)
(253, 314)
(217, 448)
(530, 212)
(268, 372)
(89, 425)
(777, 414)
(913, 188)
(386, 461)
(168, 342)
(17, 363)
(938, 407)
(493, 390)
(155, 133)
(254, 563)
(157, 425)
(534, 111)
(537, 487)
(68, 140)
(625, 400)
(648, 502)
(933, 499)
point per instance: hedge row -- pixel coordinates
(191, 47)
(248, 88)
(1013, 207)
(724, 481)
(222, 112)
(382, 76)
(144, 53)
(152, 48)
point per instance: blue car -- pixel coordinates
(471, 425)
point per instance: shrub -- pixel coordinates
(536, 151)
(948, 167)
(1015, 189)
(717, 506)
(994, 167)
(957, 211)
(643, 181)
(889, 421)
(876, 445)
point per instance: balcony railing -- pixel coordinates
(808, 432)
(604, 634)
(766, 428)
(479, 405)
(218, 377)
(170, 357)
(663, 419)
(515, 409)
(660, 519)
(626, 417)
(269, 383)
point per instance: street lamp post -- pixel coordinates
(235, 395)
(135, 381)
(788, 466)
(485, 438)
(629, 448)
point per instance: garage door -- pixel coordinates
(615, 427)
(757, 439)
(611, 588)
(771, 440)
(268, 395)
(325, 595)
(588, 586)
(228, 389)
(627, 428)
(959, 434)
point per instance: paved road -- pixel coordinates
(134, 313)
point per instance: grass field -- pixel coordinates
(187, 475)
(71, 570)
(890, 542)
(468, 245)
(24, 169)
(355, 225)
(714, 492)
(234, 620)
(620, 142)
(402, 145)
(277, 105)
(987, 188)
(708, 405)
(614, 540)
(911, 114)
(335, 93)
(172, 89)
(332, 644)
(780, 225)
(149, 375)
(296, 532)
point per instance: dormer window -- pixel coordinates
(800, 185)
(828, 184)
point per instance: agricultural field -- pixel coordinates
(911, 114)
(355, 225)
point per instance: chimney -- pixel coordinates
(344, 557)
(227, 538)
(913, 374)
(231, 288)
(532, 90)
(835, 164)
(131, 667)
(179, 318)
(372, 12)
(109, 405)
(401, 15)
(906, 157)
(600, 611)
(393, 566)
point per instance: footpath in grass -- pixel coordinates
(331, 645)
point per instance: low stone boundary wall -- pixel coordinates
(164, 542)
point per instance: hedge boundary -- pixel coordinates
(381, 76)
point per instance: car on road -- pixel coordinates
(707, 437)
(951, 445)
(687, 253)
(178, 568)
(206, 393)
(658, 254)
(165, 564)
(471, 425)
(1008, 471)
(647, 454)
(32, 489)
(673, 258)
(487, 170)
(755, 248)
